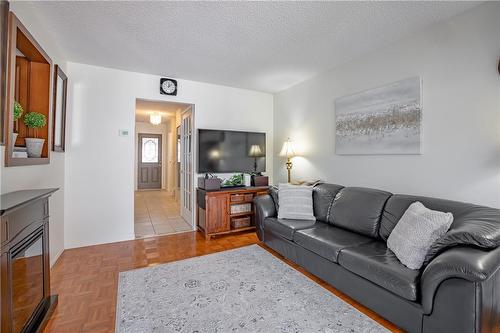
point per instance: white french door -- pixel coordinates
(186, 170)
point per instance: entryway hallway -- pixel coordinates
(157, 213)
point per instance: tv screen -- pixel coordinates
(231, 151)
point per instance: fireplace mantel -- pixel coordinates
(26, 302)
(15, 199)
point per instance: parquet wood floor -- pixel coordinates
(86, 278)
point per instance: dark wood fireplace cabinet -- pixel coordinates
(26, 303)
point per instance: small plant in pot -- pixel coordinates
(18, 112)
(34, 121)
(234, 180)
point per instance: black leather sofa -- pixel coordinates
(457, 290)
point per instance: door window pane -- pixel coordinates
(149, 150)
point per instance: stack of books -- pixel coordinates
(20, 152)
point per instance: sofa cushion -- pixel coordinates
(323, 196)
(273, 191)
(397, 205)
(472, 225)
(376, 263)
(286, 228)
(479, 228)
(358, 209)
(327, 240)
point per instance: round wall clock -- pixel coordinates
(168, 86)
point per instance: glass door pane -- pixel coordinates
(186, 166)
(149, 150)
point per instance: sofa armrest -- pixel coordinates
(264, 207)
(471, 264)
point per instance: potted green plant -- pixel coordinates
(233, 181)
(34, 121)
(18, 112)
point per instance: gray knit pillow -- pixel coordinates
(416, 231)
(295, 202)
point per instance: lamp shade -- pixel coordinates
(287, 150)
(155, 118)
(255, 151)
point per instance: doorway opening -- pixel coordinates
(163, 168)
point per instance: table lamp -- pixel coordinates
(255, 152)
(288, 151)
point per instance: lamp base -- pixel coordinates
(289, 169)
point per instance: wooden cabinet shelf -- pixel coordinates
(214, 209)
(29, 82)
(241, 214)
(28, 161)
(241, 202)
(252, 227)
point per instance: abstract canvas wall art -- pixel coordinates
(379, 121)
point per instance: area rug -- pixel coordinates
(241, 290)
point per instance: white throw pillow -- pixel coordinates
(295, 202)
(416, 231)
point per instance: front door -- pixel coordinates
(149, 161)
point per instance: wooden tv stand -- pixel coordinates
(214, 209)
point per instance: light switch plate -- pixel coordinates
(123, 132)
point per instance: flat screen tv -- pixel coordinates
(231, 151)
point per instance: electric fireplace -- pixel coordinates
(26, 302)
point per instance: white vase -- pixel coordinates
(14, 138)
(247, 179)
(34, 147)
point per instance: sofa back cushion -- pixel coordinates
(273, 192)
(472, 225)
(358, 209)
(323, 196)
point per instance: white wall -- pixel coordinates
(100, 164)
(163, 129)
(458, 61)
(41, 176)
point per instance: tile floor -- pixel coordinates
(157, 213)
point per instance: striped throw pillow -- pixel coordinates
(295, 202)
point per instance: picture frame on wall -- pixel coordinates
(386, 120)
(59, 109)
(4, 17)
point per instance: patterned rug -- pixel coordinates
(241, 290)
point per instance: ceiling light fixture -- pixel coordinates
(155, 118)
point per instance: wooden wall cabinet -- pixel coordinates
(4, 17)
(29, 82)
(216, 213)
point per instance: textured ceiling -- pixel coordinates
(144, 108)
(266, 46)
